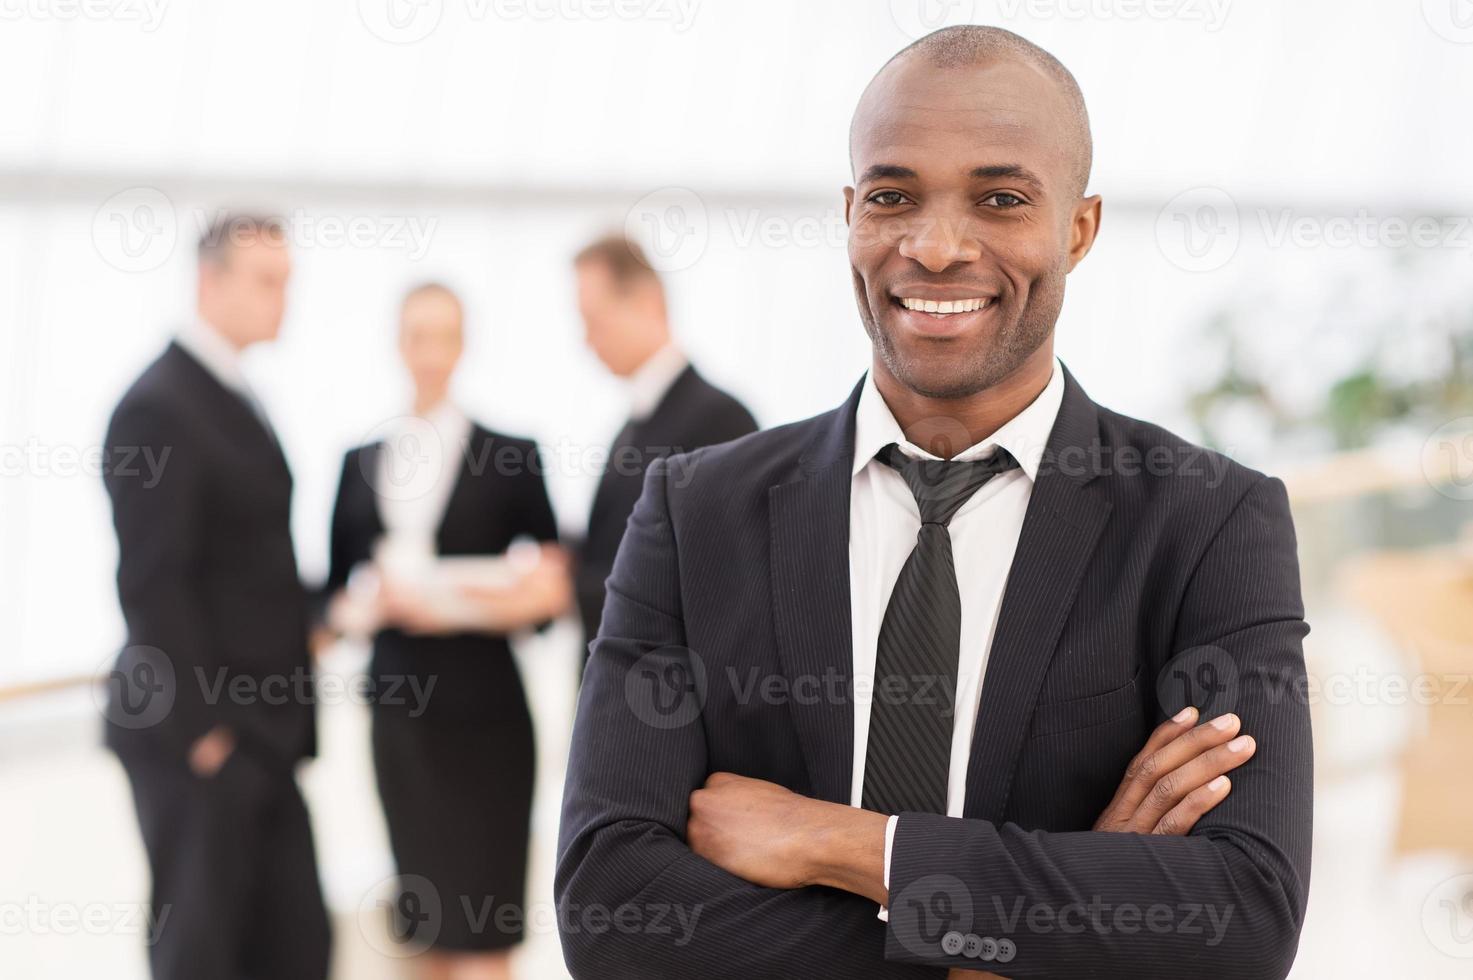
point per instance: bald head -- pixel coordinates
(971, 46)
(971, 153)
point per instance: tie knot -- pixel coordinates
(941, 486)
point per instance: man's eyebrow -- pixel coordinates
(1006, 170)
(883, 170)
(892, 171)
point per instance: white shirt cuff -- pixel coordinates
(884, 913)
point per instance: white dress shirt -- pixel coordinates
(418, 467)
(652, 379)
(884, 522)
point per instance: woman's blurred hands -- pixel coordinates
(543, 591)
(411, 610)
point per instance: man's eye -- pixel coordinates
(887, 199)
(1002, 199)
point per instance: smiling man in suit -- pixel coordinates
(914, 685)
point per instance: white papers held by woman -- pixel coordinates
(408, 586)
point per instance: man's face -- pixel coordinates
(244, 293)
(965, 195)
(612, 318)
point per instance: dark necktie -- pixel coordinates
(909, 746)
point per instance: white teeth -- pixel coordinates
(944, 306)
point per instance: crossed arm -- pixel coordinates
(800, 899)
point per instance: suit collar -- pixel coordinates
(1073, 448)
(831, 440)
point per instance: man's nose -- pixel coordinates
(941, 239)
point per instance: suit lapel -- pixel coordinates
(809, 519)
(368, 464)
(1060, 530)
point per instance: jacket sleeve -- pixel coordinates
(1225, 901)
(155, 480)
(633, 899)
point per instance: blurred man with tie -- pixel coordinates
(672, 409)
(211, 704)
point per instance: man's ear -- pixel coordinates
(1083, 228)
(848, 203)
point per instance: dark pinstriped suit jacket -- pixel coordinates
(1149, 572)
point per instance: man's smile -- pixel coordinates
(941, 313)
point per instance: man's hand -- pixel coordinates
(1171, 783)
(1178, 776)
(749, 827)
(210, 750)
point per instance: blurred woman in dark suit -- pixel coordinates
(452, 735)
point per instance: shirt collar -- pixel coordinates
(218, 356)
(1025, 435)
(652, 379)
(450, 422)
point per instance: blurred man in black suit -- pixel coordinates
(672, 408)
(211, 704)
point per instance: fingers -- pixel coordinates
(1180, 819)
(1169, 729)
(1173, 787)
(1148, 769)
(1181, 723)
